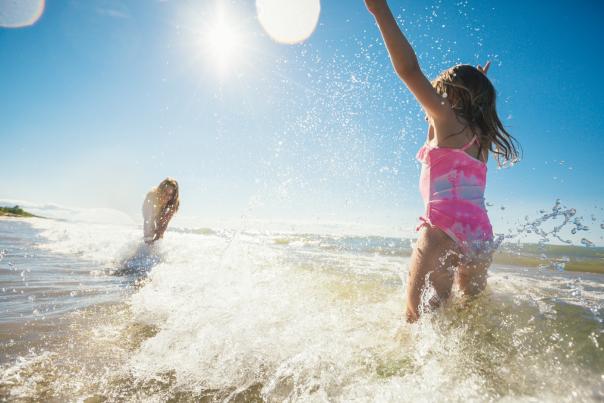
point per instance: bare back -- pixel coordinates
(455, 133)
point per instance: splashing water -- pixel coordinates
(561, 224)
(261, 316)
(250, 315)
(558, 211)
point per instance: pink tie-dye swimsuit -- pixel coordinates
(452, 185)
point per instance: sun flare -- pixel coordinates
(222, 42)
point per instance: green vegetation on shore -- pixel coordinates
(14, 212)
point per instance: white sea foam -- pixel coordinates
(317, 326)
(307, 320)
(101, 243)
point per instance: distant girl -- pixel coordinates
(455, 236)
(158, 208)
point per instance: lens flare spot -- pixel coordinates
(288, 21)
(20, 13)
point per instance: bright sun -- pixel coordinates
(285, 21)
(222, 42)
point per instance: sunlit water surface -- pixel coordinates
(87, 312)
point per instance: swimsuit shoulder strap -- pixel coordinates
(469, 144)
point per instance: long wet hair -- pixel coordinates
(472, 97)
(174, 202)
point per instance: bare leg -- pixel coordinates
(472, 277)
(431, 261)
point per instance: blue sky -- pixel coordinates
(101, 100)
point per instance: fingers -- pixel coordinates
(484, 69)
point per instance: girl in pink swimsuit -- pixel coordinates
(455, 242)
(452, 185)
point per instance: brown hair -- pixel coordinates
(472, 97)
(174, 202)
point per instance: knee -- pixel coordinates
(441, 280)
(472, 285)
(429, 294)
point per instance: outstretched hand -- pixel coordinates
(484, 69)
(375, 6)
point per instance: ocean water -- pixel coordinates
(88, 313)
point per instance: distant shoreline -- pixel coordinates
(568, 258)
(15, 211)
(584, 265)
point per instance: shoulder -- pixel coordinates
(151, 194)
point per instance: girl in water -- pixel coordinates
(158, 208)
(455, 241)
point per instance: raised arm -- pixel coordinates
(405, 61)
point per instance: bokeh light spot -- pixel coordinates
(288, 21)
(20, 13)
